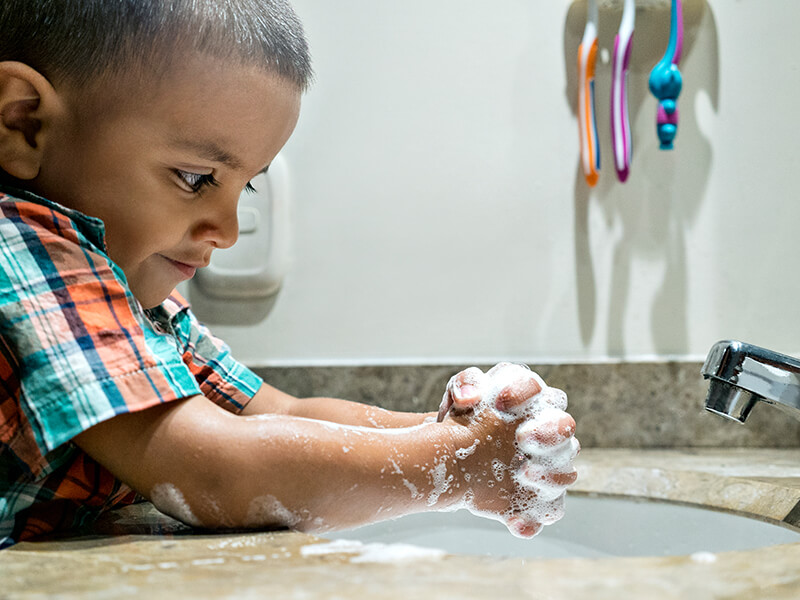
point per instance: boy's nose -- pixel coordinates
(220, 229)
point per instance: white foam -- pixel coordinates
(412, 488)
(396, 553)
(703, 557)
(499, 469)
(334, 547)
(463, 453)
(373, 553)
(200, 562)
(268, 510)
(168, 499)
(255, 557)
(441, 482)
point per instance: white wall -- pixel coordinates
(438, 211)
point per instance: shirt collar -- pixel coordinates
(92, 227)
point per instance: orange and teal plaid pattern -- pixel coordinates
(76, 349)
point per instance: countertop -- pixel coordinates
(151, 556)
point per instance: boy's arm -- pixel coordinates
(208, 467)
(269, 400)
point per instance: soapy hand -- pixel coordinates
(522, 476)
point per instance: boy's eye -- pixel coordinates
(196, 181)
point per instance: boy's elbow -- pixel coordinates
(211, 493)
(222, 487)
(203, 507)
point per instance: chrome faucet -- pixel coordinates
(740, 375)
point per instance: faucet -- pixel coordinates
(740, 375)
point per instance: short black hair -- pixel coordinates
(83, 40)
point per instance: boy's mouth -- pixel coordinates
(186, 270)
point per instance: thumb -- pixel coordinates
(463, 392)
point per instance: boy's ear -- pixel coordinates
(28, 106)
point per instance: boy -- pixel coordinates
(128, 131)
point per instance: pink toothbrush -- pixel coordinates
(620, 122)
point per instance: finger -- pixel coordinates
(462, 392)
(444, 406)
(551, 428)
(466, 390)
(552, 510)
(517, 393)
(447, 400)
(523, 526)
(548, 483)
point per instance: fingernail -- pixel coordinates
(466, 391)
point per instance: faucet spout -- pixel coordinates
(741, 375)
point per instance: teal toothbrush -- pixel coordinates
(666, 81)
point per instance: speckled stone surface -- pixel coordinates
(631, 405)
(175, 562)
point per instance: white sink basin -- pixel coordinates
(593, 527)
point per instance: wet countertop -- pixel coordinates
(140, 553)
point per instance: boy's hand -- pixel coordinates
(519, 468)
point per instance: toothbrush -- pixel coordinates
(666, 80)
(587, 124)
(620, 122)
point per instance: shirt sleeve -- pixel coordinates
(222, 378)
(77, 348)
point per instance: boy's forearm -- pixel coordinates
(312, 475)
(208, 467)
(269, 400)
(346, 412)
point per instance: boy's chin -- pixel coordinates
(151, 298)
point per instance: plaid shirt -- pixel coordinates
(76, 348)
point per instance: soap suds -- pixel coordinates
(441, 482)
(267, 510)
(396, 553)
(704, 557)
(168, 499)
(463, 453)
(373, 553)
(200, 562)
(499, 469)
(412, 488)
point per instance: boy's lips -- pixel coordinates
(186, 269)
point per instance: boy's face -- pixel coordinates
(165, 169)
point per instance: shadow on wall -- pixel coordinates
(645, 217)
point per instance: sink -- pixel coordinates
(593, 527)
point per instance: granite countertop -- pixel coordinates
(153, 557)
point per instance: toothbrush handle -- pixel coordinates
(587, 123)
(620, 121)
(666, 80)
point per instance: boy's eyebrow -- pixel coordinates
(210, 151)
